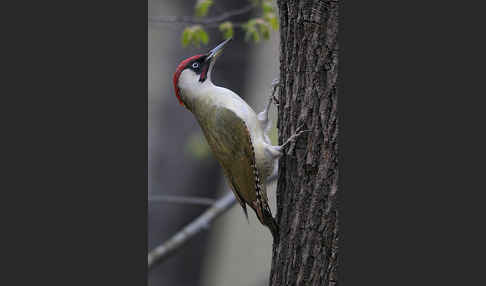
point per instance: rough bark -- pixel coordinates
(307, 187)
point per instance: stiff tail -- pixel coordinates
(265, 216)
(270, 222)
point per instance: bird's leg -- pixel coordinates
(274, 175)
(294, 137)
(275, 84)
(277, 151)
(263, 116)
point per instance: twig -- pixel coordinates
(163, 251)
(208, 22)
(182, 200)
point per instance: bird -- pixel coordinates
(236, 134)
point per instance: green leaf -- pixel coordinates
(186, 36)
(264, 30)
(250, 29)
(202, 7)
(194, 35)
(267, 7)
(271, 18)
(256, 29)
(203, 36)
(227, 29)
(255, 36)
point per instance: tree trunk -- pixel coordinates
(307, 187)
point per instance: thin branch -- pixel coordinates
(182, 200)
(209, 22)
(163, 251)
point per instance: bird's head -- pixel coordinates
(193, 72)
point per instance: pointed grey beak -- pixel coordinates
(214, 53)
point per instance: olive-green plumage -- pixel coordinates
(238, 137)
(231, 143)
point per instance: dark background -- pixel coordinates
(76, 143)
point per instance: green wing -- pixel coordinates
(231, 143)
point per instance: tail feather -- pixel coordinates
(265, 216)
(270, 222)
(236, 192)
(260, 204)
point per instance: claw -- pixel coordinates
(275, 100)
(298, 128)
(298, 131)
(294, 137)
(275, 84)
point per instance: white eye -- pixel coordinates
(195, 65)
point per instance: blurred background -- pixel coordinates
(232, 251)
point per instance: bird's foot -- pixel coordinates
(273, 97)
(296, 135)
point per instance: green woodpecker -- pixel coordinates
(238, 137)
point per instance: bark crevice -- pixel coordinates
(307, 187)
